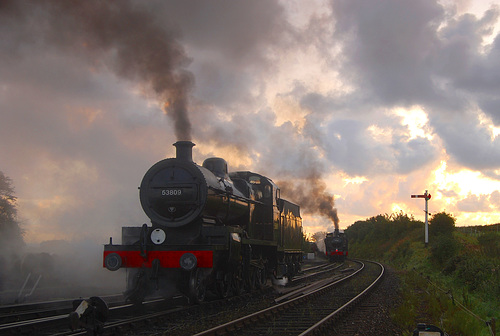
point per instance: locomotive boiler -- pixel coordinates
(336, 245)
(210, 230)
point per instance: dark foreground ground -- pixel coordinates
(373, 317)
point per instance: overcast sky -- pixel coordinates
(366, 101)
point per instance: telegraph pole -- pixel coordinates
(426, 196)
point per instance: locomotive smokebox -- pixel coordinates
(184, 150)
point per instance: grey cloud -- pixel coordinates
(473, 72)
(461, 41)
(491, 106)
(389, 45)
(492, 173)
(495, 199)
(51, 69)
(469, 142)
(448, 193)
(461, 57)
(413, 154)
(476, 203)
(409, 52)
(44, 123)
(233, 41)
(238, 32)
(352, 148)
(338, 105)
(121, 37)
(222, 85)
(387, 53)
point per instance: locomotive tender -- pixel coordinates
(336, 245)
(211, 230)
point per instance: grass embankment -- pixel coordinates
(453, 283)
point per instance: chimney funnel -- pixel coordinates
(184, 150)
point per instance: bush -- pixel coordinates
(476, 272)
(443, 248)
(374, 237)
(441, 223)
(490, 243)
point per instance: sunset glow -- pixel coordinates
(417, 122)
(351, 98)
(464, 182)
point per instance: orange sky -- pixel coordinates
(380, 99)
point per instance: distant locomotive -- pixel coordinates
(211, 230)
(336, 245)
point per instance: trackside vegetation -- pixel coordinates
(454, 283)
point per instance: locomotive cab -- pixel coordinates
(275, 220)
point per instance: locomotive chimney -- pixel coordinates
(184, 150)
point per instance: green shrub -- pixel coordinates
(441, 223)
(477, 272)
(468, 266)
(490, 243)
(450, 265)
(443, 248)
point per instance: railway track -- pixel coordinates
(51, 318)
(315, 271)
(310, 313)
(177, 318)
(25, 312)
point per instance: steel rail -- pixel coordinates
(29, 311)
(316, 270)
(58, 321)
(271, 311)
(321, 327)
(115, 325)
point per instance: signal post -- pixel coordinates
(427, 197)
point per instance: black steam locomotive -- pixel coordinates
(211, 230)
(336, 245)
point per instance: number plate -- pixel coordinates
(171, 192)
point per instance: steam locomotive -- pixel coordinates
(210, 230)
(336, 245)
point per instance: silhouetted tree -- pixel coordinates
(11, 234)
(441, 223)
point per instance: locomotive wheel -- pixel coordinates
(260, 278)
(298, 266)
(197, 289)
(256, 278)
(223, 286)
(136, 292)
(237, 282)
(252, 282)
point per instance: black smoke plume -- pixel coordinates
(310, 193)
(117, 34)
